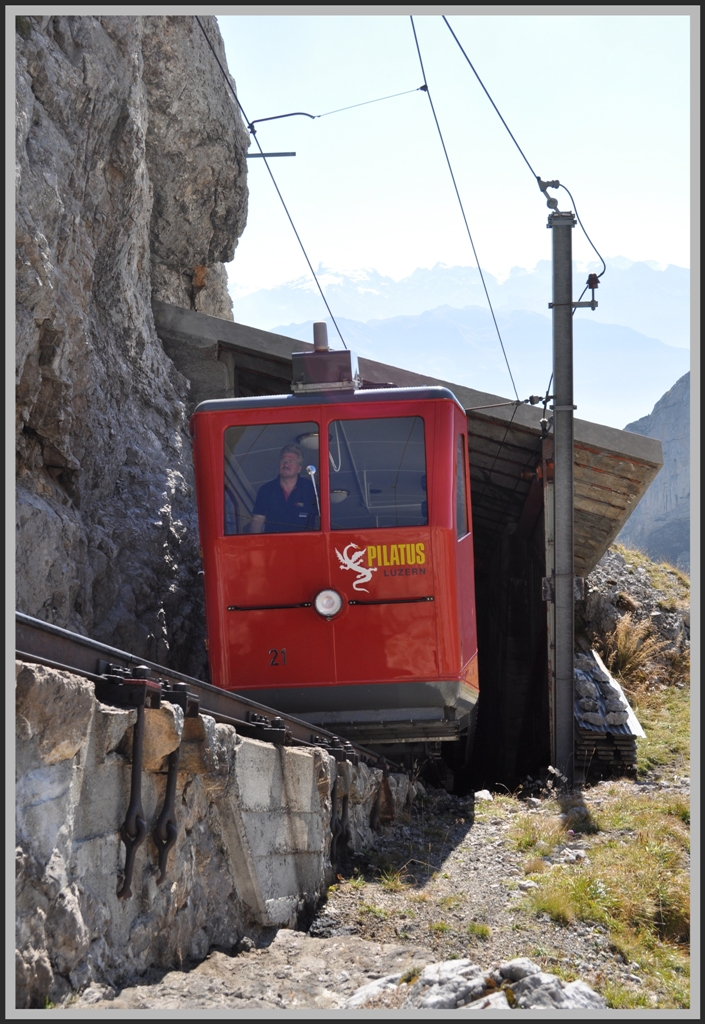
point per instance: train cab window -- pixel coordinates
(461, 491)
(377, 473)
(271, 478)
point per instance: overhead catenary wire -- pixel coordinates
(575, 208)
(269, 169)
(472, 66)
(542, 185)
(422, 88)
(462, 209)
(537, 178)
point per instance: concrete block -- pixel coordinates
(287, 874)
(269, 777)
(279, 831)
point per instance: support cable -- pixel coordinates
(542, 184)
(488, 478)
(254, 135)
(340, 110)
(420, 88)
(529, 462)
(462, 210)
(533, 400)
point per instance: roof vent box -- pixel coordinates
(323, 369)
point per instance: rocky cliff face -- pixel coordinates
(252, 849)
(660, 524)
(131, 184)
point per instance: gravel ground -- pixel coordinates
(460, 872)
(469, 877)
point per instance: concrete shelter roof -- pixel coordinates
(613, 468)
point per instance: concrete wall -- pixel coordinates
(253, 847)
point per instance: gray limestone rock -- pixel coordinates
(495, 1001)
(447, 985)
(593, 717)
(584, 685)
(520, 967)
(252, 849)
(45, 697)
(660, 523)
(131, 184)
(371, 990)
(455, 983)
(617, 717)
(546, 991)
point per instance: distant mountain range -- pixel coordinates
(660, 524)
(636, 295)
(631, 354)
(618, 372)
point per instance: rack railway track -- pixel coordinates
(42, 643)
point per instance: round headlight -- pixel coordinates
(328, 603)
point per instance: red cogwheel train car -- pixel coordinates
(338, 553)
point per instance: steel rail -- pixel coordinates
(43, 643)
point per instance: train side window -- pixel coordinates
(461, 490)
(268, 488)
(377, 473)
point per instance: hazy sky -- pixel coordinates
(600, 102)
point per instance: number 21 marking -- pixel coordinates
(275, 654)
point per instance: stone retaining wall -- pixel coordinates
(253, 846)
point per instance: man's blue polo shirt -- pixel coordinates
(282, 514)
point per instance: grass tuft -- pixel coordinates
(450, 902)
(371, 908)
(619, 997)
(537, 833)
(556, 904)
(394, 880)
(631, 647)
(478, 930)
(410, 976)
(535, 866)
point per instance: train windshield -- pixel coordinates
(271, 478)
(377, 473)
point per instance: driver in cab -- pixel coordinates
(287, 503)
